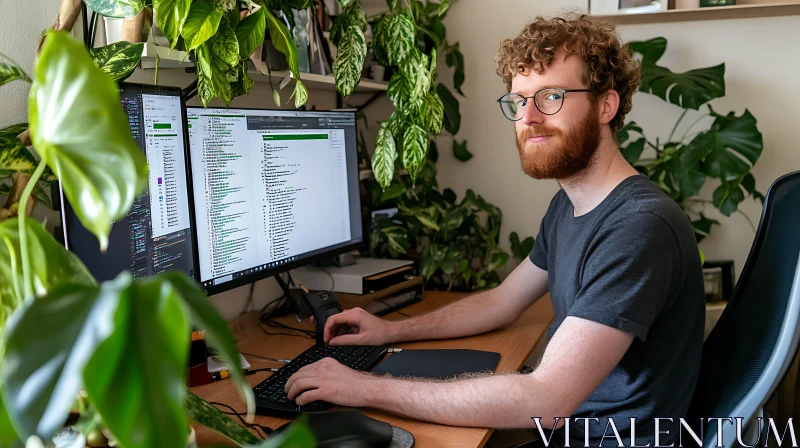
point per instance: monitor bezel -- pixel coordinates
(305, 261)
(68, 212)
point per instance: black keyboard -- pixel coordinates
(271, 397)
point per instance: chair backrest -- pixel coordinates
(749, 350)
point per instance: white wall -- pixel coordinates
(494, 170)
(760, 75)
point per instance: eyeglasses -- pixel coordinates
(549, 101)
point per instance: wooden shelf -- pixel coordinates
(710, 13)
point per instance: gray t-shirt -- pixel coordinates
(631, 263)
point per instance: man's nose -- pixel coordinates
(531, 114)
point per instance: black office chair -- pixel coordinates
(751, 347)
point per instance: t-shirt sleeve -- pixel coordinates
(630, 269)
(538, 255)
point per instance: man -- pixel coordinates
(618, 257)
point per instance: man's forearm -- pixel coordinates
(501, 401)
(476, 314)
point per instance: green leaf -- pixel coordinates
(12, 72)
(244, 83)
(8, 435)
(42, 196)
(455, 59)
(225, 46)
(171, 15)
(206, 414)
(396, 239)
(283, 42)
(428, 263)
(452, 258)
(399, 93)
(354, 15)
(119, 59)
(14, 156)
(52, 262)
(396, 124)
(384, 157)
(415, 147)
(250, 33)
(217, 333)
(393, 191)
(452, 114)
(417, 76)
(689, 90)
(427, 218)
(142, 362)
(651, 50)
(443, 7)
(727, 197)
(453, 219)
(392, 4)
(49, 341)
(432, 112)
(623, 134)
(633, 151)
(702, 227)
(394, 38)
(350, 61)
(115, 8)
(499, 259)
(297, 435)
(731, 143)
(80, 130)
(201, 24)
(463, 265)
(344, 3)
(13, 130)
(217, 63)
(460, 151)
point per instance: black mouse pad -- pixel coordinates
(437, 364)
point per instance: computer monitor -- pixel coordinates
(157, 233)
(273, 190)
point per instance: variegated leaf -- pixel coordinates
(201, 24)
(115, 8)
(384, 157)
(12, 72)
(14, 156)
(119, 59)
(350, 60)
(171, 15)
(394, 38)
(432, 113)
(415, 148)
(417, 76)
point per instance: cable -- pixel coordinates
(272, 323)
(265, 429)
(333, 281)
(279, 333)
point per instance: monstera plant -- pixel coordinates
(113, 354)
(680, 165)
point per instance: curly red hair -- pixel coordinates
(609, 63)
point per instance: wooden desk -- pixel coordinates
(514, 343)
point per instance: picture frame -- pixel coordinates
(617, 7)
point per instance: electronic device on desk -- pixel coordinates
(157, 233)
(352, 428)
(365, 276)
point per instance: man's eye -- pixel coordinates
(553, 97)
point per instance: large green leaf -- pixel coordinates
(727, 197)
(350, 60)
(80, 130)
(452, 114)
(135, 378)
(283, 42)
(201, 23)
(354, 15)
(171, 15)
(394, 38)
(225, 46)
(415, 148)
(119, 59)
(244, 82)
(48, 343)
(384, 156)
(52, 263)
(8, 435)
(432, 112)
(250, 33)
(399, 93)
(115, 8)
(651, 50)
(217, 64)
(13, 130)
(689, 90)
(206, 414)
(520, 249)
(632, 152)
(12, 72)
(217, 333)
(731, 143)
(460, 151)
(455, 59)
(623, 134)
(396, 124)
(396, 237)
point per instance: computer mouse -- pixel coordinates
(347, 428)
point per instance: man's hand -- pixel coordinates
(330, 381)
(358, 327)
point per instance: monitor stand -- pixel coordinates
(299, 306)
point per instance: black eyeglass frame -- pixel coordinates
(526, 98)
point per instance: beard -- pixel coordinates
(563, 155)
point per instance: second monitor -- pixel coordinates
(273, 190)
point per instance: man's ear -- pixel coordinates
(609, 104)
